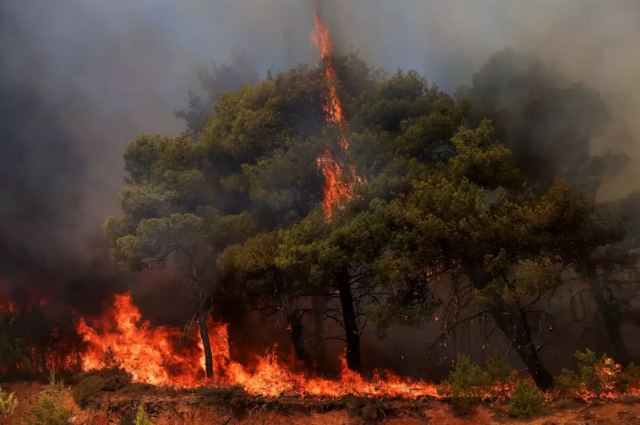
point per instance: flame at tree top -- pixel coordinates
(338, 183)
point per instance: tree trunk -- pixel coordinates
(206, 345)
(513, 323)
(296, 330)
(350, 324)
(319, 304)
(610, 315)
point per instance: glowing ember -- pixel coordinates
(338, 184)
(165, 356)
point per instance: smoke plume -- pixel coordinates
(80, 78)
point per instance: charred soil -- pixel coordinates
(213, 406)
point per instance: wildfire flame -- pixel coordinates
(154, 355)
(338, 184)
(166, 356)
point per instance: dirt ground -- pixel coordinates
(231, 407)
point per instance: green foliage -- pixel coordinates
(527, 278)
(286, 182)
(86, 389)
(500, 372)
(238, 204)
(526, 400)
(482, 159)
(216, 81)
(597, 374)
(400, 97)
(567, 383)
(628, 378)
(498, 368)
(8, 404)
(594, 377)
(467, 385)
(49, 408)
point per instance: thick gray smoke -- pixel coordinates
(80, 78)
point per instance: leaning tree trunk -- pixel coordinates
(206, 345)
(352, 335)
(202, 320)
(610, 315)
(513, 323)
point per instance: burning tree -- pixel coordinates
(170, 218)
(243, 209)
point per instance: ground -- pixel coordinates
(233, 407)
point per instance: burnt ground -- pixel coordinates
(231, 406)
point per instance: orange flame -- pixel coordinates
(338, 184)
(165, 356)
(154, 355)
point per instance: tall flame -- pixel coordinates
(166, 356)
(338, 183)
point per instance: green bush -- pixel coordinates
(597, 374)
(594, 377)
(526, 400)
(628, 378)
(467, 385)
(498, 368)
(8, 404)
(567, 383)
(500, 372)
(94, 383)
(49, 408)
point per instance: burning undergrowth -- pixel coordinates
(166, 356)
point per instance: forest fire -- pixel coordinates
(154, 355)
(166, 356)
(338, 184)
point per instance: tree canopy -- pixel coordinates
(485, 206)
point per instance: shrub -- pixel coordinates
(594, 377)
(498, 368)
(567, 383)
(526, 400)
(86, 389)
(92, 384)
(500, 372)
(466, 386)
(597, 374)
(8, 403)
(628, 378)
(49, 408)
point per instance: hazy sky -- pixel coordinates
(112, 69)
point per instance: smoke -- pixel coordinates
(585, 41)
(80, 78)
